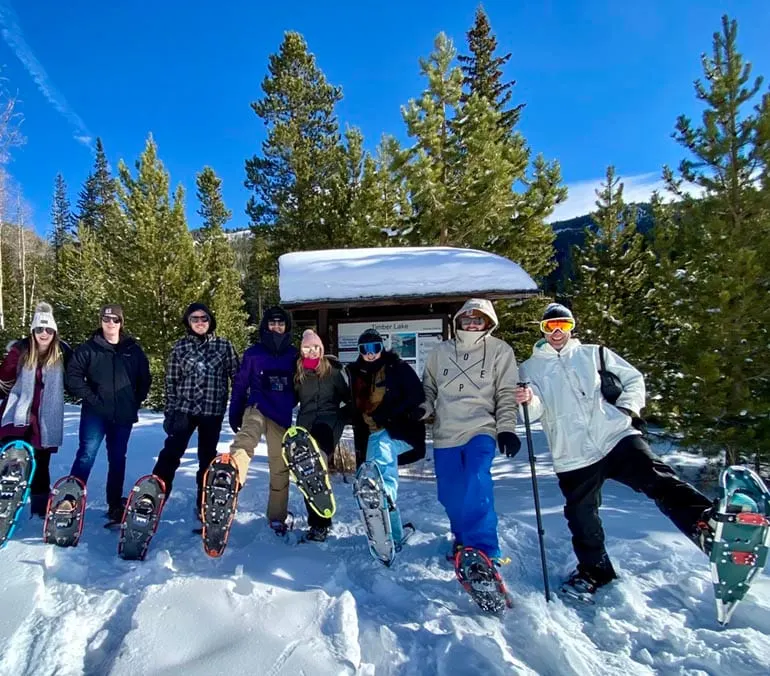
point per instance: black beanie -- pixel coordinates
(370, 336)
(557, 311)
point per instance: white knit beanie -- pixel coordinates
(43, 317)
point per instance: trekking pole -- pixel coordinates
(540, 531)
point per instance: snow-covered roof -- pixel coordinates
(336, 275)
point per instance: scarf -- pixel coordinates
(51, 414)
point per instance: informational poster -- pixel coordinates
(411, 339)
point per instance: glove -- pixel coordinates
(636, 422)
(508, 443)
(236, 421)
(417, 414)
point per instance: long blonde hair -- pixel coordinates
(51, 357)
(323, 369)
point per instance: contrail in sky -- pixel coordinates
(14, 38)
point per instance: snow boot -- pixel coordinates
(317, 533)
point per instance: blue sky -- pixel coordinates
(603, 80)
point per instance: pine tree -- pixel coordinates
(97, 200)
(381, 210)
(62, 223)
(429, 167)
(483, 71)
(612, 275)
(80, 285)
(722, 259)
(304, 180)
(221, 289)
(153, 263)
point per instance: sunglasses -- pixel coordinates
(311, 348)
(370, 348)
(560, 324)
(472, 321)
(109, 319)
(199, 319)
(39, 330)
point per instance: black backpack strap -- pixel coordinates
(601, 358)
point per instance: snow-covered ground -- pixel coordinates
(272, 607)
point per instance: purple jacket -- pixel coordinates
(265, 380)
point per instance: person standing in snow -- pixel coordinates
(387, 416)
(592, 440)
(201, 367)
(470, 387)
(32, 386)
(323, 394)
(111, 375)
(262, 402)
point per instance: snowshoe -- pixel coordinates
(741, 537)
(375, 510)
(141, 517)
(17, 467)
(580, 587)
(480, 578)
(65, 513)
(409, 530)
(308, 468)
(220, 500)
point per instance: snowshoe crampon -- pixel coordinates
(741, 525)
(17, 467)
(481, 579)
(369, 492)
(141, 517)
(220, 500)
(308, 468)
(65, 514)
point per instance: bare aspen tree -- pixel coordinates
(22, 260)
(10, 137)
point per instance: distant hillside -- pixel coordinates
(571, 233)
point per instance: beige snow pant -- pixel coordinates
(242, 451)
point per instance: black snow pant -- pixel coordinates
(632, 463)
(209, 428)
(324, 437)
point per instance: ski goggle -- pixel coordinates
(563, 324)
(370, 348)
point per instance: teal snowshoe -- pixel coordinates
(741, 537)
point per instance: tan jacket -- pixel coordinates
(470, 384)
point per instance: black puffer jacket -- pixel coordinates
(390, 393)
(320, 399)
(112, 380)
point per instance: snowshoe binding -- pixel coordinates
(141, 517)
(580, 586)
(220, 500)
(308, 468)
(740, 522)
(481, 579)
(65, 513)
(17, 467)
(375, 510)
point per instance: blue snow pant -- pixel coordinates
(464, 482)
(383, 450)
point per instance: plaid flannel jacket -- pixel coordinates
(198, 375)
